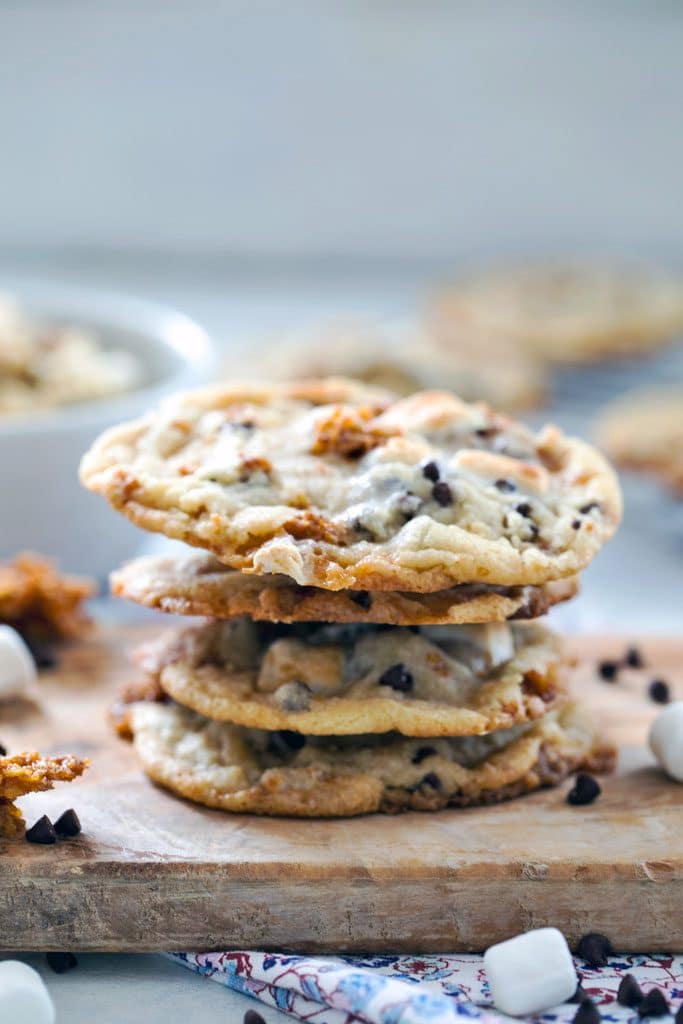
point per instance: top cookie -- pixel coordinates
(565, 313)
(340, 486)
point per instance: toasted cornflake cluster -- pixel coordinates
(30, 773)
(368, 565)
(41, 604)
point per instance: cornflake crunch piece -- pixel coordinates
(31, 773)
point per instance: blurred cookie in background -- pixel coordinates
(405, 359)
(565, 313)
(643, 430)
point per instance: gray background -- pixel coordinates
(373, 132)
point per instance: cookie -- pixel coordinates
(566, 314)
(30, 773)
(345, 680)
(341, 487)
(235, 769)
(644, 431)
(404, 359)
(198, 584)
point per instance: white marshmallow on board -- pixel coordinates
(666, 739)
(24, 999)
(531, 972)
(17, 667)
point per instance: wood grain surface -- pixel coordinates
(152, 872)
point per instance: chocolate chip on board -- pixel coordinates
(398, 678)
(3, 750)
(608, 670)
(252, 1017)
(587, 1013)
(42, 832)
(61, 962)
(594, 949)
(67, 824)
(584, 791)
(659, 691)
(654, 1004)
(634, 658)
(630, 992)
(43, 653)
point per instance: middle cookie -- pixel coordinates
(337, 680)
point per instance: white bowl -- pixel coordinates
(43, 507)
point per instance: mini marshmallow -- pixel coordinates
(17, 667)
(24, 999)
(666, 740)
(531, 972)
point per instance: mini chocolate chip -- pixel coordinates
(42, 832)
(630, 992)
(634, 658)
(587, 1013)
(42, 652)
(594, 949)
(506, 486)
(533, 531)
(430, 470)
(580, 995)
(524, 509)
(442, 494)
(3, 750)
(422, 753)
(576, 525)
(584, 791)
(608, 670)
(585, 509)
(361, 598)
(61, 962)
(659, 691)
(432, 780)
(487, 431)
(67, 824)
(398, 678)
(252, 1017)
(654, 1004)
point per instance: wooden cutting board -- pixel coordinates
(152, 872)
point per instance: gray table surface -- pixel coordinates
(634, 586)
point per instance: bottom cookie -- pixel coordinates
(280, 773)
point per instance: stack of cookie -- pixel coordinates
(368, 565)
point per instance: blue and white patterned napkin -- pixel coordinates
(414, 989)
